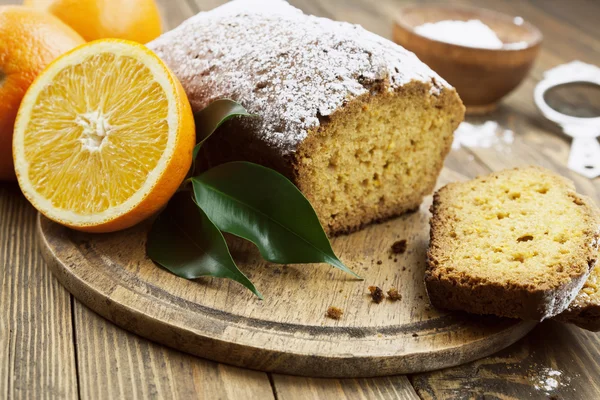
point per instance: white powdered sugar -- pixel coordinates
(289, 68)
(486, 135)
(548, 380)
(471, 33)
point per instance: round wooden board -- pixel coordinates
(288, 332)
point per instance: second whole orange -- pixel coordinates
(136, 20)
(29, 41)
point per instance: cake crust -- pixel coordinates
(528, 297)
(584, 311)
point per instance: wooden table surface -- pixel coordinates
(51, 346)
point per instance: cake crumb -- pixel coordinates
(399, 247)
(334, 312)
(376, 294)
(394, 295)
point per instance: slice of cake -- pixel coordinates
(584, 311)
(517, 243)
(357, 122)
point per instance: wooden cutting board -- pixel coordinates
(288, 332)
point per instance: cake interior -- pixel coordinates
(523, 226)
(377, 157)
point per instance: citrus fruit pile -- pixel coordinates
(99, 135)
(104, 137)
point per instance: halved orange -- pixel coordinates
(103, 137)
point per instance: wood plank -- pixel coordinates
(115, 364)
(205, 5)
(174, 12)
(577, 14)
(300, 388)
(37, 357)
(554, 361)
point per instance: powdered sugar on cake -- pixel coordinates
(289, 68)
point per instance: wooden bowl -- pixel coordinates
(481, 76)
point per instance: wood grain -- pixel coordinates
(115, 364)
(174, 13)
(37, 356)
(37, 352)
(295, 387)
(539, 366)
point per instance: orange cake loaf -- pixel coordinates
(358, 123)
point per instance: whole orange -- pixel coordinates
(29, 41)
(137, 20)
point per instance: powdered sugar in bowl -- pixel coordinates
(483, 53)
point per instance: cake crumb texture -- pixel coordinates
(394, 295)
(334, 313)
(376, 294)
(518, 243)
(399, 247)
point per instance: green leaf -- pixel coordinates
(210, 118)
(261, 205)
(185, 241)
